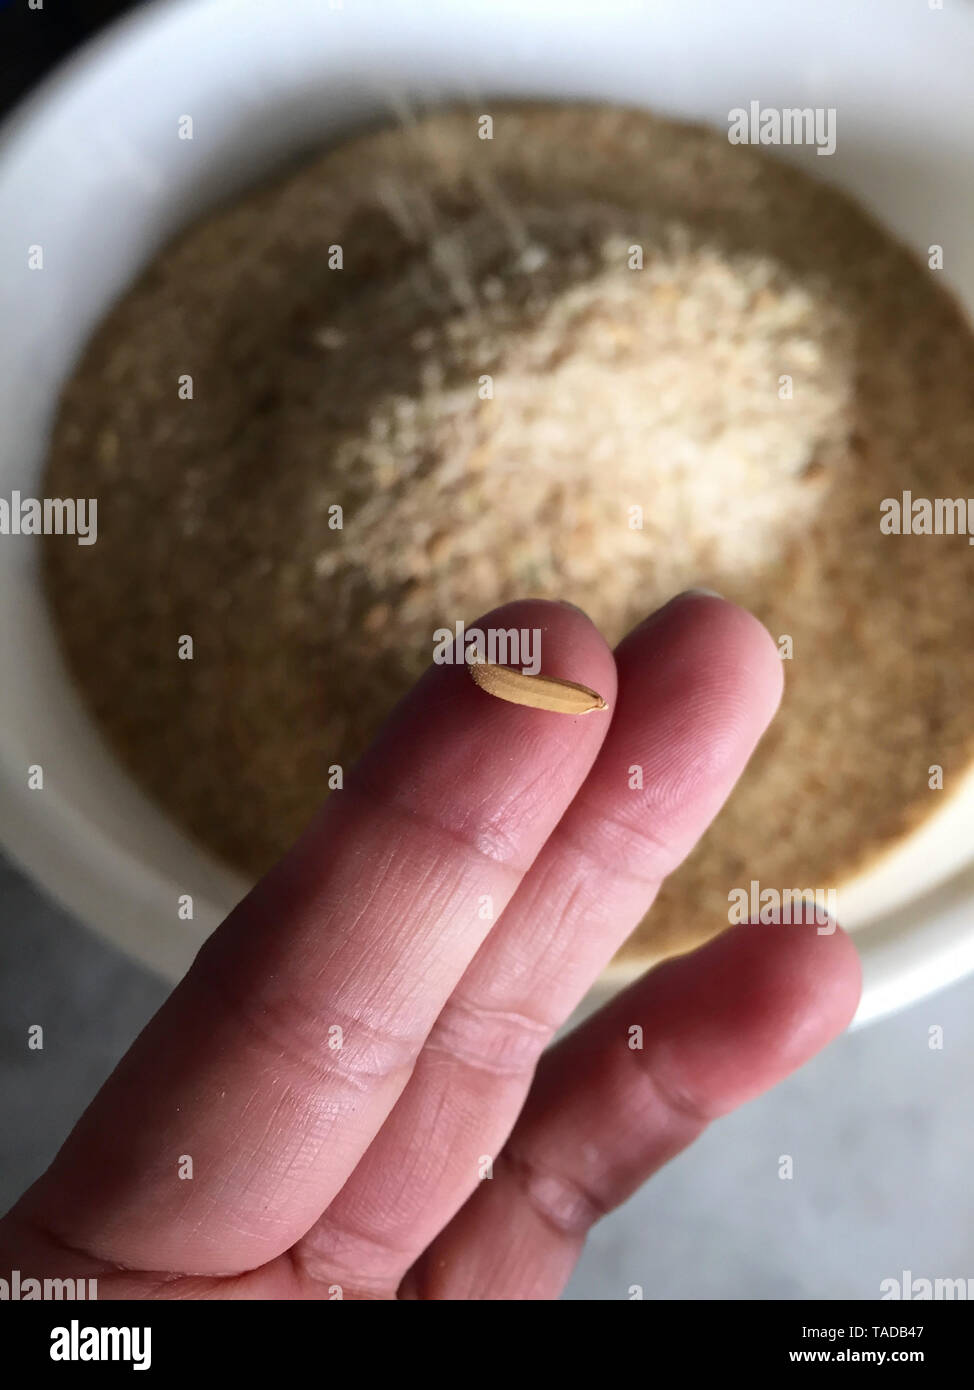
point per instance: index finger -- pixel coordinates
(364, 928)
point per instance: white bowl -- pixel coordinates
(92, 170)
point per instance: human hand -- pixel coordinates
(361, 1170)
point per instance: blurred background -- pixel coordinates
(877, 1128)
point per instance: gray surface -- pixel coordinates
(879, 1128)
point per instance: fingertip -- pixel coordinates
(798, 989)
(815, 975)
(571, 647)
(736, 633)
(754, 1004)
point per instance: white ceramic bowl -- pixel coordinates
(92, 170)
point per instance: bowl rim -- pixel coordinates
(925, 945)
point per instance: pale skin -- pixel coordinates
(359, 1168)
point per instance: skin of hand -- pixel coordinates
(354, 1062)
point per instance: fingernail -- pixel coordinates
(707, 593)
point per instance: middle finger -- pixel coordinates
(698, 683)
